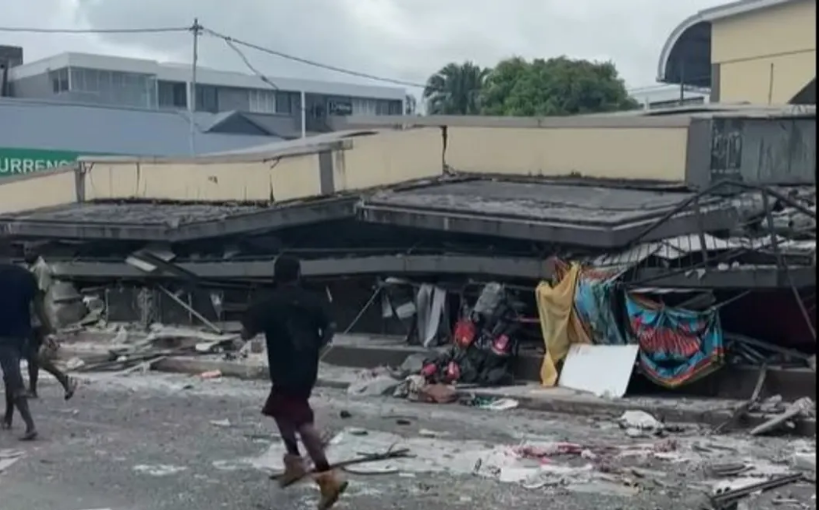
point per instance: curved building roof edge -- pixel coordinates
(708, 16)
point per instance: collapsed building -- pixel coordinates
(691, 233)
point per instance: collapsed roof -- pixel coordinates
(541, 211)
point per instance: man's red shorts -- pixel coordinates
(288, 406)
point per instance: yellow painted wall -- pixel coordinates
(282, 179)
(628, 150)
(36, 191)
(607, 153)
(388, 158)
(750, 47)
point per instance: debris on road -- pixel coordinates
(805, 461)
(497, 404)
(640, 424)
(379, 385)
(9, 457)
(802, 408)
(724, 499)
(133, 353)
(364, 459)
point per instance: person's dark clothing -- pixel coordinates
(292, 320)
(10, 357)
(291, 407)
(18, 288)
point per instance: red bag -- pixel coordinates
(464, 333)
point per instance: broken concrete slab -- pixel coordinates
(382, 385)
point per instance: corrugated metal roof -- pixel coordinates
(670, 249)
(105, 130)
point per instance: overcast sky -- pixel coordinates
(403, 39)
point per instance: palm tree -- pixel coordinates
(455, 89)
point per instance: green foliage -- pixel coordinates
(516, 87)
(455, 90)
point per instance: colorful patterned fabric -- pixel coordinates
(593, 302)
(676, 346)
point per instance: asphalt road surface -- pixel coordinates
(166, 442)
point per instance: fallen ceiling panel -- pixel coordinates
(508, 267)
(593, 216)
(168, 222)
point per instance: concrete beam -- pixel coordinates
(507, 267)
(273, 218)
(598, 236)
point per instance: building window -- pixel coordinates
(114, 87)
(396, 108)
(284, 102)
(262, 101)
(364, 107)
(207, 98)
(386, 107)
(173, 94)
(59, 80)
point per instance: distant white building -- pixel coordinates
(668, 96)
(292, 107)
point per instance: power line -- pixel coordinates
(250, 66)
(313, 63)
(94, 30)
(233, 42)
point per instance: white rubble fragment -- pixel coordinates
(639, 423)
(805, 461)
(375, 387)
(159, 469)
(74, 363)
(121, 337)
(9, 457)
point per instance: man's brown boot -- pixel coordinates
(294, 470)
(331, 488)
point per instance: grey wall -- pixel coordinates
(779, 151)
(233, 99)
(765, 151)
(33, 87)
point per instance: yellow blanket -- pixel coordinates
(559, 322)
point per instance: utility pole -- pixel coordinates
(196, 29)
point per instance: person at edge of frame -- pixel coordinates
(19, 294)
(40, 348)
(297, 327)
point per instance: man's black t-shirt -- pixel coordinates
(292, 320)
(18, 288)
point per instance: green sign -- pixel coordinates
(26, 161)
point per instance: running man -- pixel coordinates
(18, 295)
(297, 326)
(41, 349)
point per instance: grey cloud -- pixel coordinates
(404, 39)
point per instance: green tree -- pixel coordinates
(455, 90)
(557, 86)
